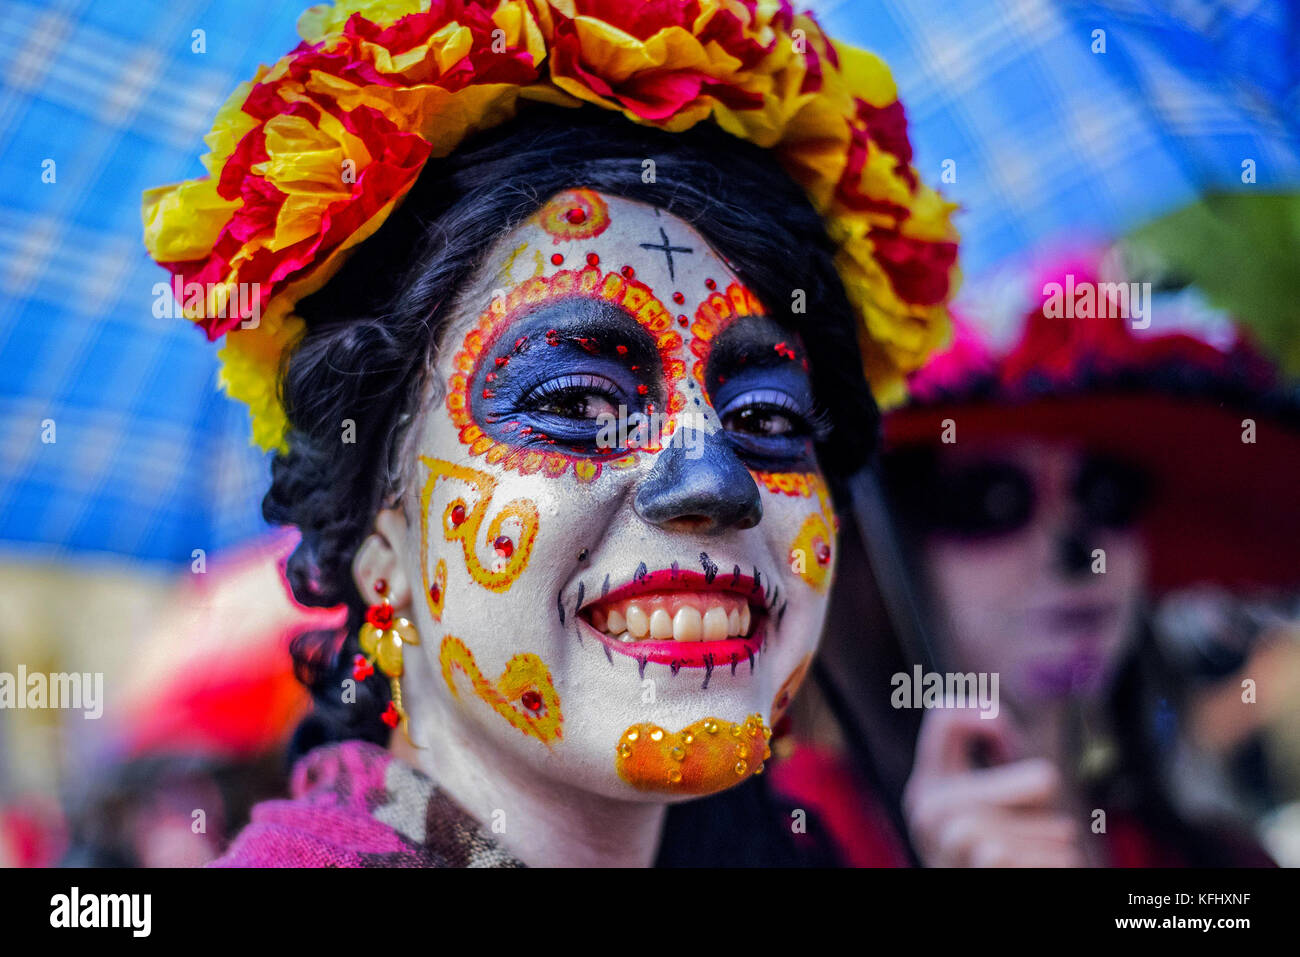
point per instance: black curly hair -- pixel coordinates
(372, 330)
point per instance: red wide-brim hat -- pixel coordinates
(1225, 510)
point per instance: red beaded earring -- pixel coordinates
(382, 638)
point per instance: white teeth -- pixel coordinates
(637, 621)
(686, 624)
(672, 618)
(615, 624)
(661, 626)
(715, 624)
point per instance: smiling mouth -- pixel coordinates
(681, 619)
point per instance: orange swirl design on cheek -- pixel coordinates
(524, 694)
(794, 484)
(810, 553)
(812, 548)
(708, 756)
(461, 522)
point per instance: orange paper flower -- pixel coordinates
(311, 157)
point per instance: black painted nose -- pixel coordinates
(699, 484)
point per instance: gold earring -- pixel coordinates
(382, 638)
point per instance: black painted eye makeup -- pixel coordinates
(758, 381)
(553, 377)
(578, 397)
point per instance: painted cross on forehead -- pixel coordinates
(623, 488)
(667, 248)
(636, 329)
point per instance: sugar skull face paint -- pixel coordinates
(812, 555)
(524, 694)
(703, 758)
(649, 586)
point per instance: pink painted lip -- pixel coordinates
(669, 579)
(687, 654)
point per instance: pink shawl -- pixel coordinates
(354, 805)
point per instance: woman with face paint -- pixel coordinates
(1045, 493)
(567, 384)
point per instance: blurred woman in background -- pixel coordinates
(1045, 493)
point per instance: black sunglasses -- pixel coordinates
(998, 498)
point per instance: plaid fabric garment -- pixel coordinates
(354, 805)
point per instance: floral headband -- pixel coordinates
(311, 157)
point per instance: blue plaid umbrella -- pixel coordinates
(1045, 136)
(1049, 139)
(100, 101)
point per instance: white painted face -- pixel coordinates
(625, 542)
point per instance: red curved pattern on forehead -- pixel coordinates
(631, 295)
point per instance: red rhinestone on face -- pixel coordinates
(556, 259)
(576, 215)
(678, 298)
(435, 593)
(458, 514)
(628, 272)
(682, 321)
(593, 259)
(504, 546)
(822, 551)
(711, 284)
(531, 700)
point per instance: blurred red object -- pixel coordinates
(215, 676)
(32, 833)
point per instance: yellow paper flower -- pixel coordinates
(312, 156)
